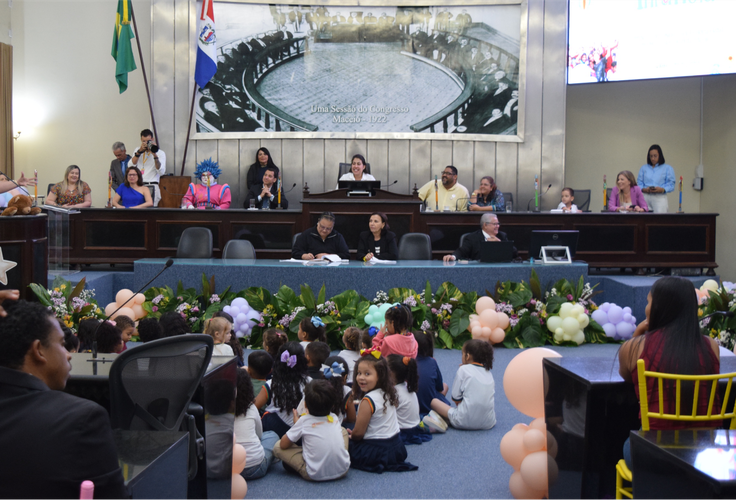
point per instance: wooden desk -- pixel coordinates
(590, 411)
(101, 235)
(24, 240)
(684, 464)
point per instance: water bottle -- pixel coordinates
(531, 261)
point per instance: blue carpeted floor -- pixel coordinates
(458, 464)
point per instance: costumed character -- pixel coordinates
(208, 194)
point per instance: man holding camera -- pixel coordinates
(151, 161)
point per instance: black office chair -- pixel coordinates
(462, 238)
(151, 388)
(293, 240)
(582, 199)
(508, 196)
(415, 246)
(345, 168)
(152, 189)
(238, 249)
(50, 188)
(195, 243)
(608, 196)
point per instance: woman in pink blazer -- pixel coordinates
(627, 196)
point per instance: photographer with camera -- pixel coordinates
(151, 161)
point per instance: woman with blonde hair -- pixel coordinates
(626, 196)
(72, 192)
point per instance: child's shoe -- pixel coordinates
(435, 422)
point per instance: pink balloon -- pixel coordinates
(534, 441)
(524, 427)
(534, 470)
(238, 458)
(122, 296)
(519, 489)
(485, 332)
(473, 324)
(110, 308)
(477, 332)
(489, 318)
(523, 381)
(503, 320)
(484, 303)
(239, 487)
(138, 311)
(497, 335)
(539, 424)
(139, 298)
(512, 447)
(551, 445)
(125, 311)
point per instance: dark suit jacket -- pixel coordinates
(471, 246)
(255, 191)
(52, 441)
(118, 176)
(311, 242)
(387, 244)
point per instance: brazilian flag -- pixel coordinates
(122, 51)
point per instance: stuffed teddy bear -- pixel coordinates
(20, 205)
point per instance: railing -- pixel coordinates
(455, 110)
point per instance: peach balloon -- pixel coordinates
(534, 470)
(539, 424)
(484, 303)
(512, 447)
(503, 320)
(485, 332)
(551, 445)
(238, 458)
(519, 489)
(139, 298)
(473, 324)
(239, 487)
(497, 335)
(125, 311)
(489, 318)
(533, 441)
(122, 296)
(138, 311)
(524, 427)
(110, 308)
(523, 381)
(477, 332)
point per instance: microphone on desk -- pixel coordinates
(290, 189)
(394, 182)
(540, 197)
(725, 314)
(168, 264)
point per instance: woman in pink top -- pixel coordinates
(627, 196)
(396, 337)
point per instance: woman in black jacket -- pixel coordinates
(379, 242)
(256, 171)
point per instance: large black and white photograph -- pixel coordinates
(433, 72)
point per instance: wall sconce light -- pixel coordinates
(17, 134)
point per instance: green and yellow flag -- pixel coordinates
(122, 51)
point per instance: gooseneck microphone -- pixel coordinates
(725, 314)
(168, 264)
(540, 197)
(290, 189)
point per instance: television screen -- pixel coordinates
(618, 40)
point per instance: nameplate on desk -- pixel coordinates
(101, 360)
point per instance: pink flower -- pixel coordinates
(569, 296)
(154, 308)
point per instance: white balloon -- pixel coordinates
(583, 320)
(553, 323)
(566, 309)
(709, 285)
(566, 337)
(559, 334)
(577, 310)
(570, 325)
(579, 337)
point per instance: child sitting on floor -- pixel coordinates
(259, 368)
(335, 370)
(375, 445)
(109, 338)
(430, 377)
(351, 353)
(323, 455)
(311, 330)
(234, 341)
(404, 371)
(283, 392)
(149, 329)
(316, 353)
(473, 392)
(366, 342)
(395, 337)
(249, 432)
(127, 328)
(273, 339)
(219, 329)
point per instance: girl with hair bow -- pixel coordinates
(311, 330)
(336, 372)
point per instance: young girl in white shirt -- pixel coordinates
(219, 329)
(335, 370)
(311, 330)
(473, 391)
(249, 432)
(351, 353)
(406, 377)
(375, 445)
(566, 201)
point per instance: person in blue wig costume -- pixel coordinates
(208, 194)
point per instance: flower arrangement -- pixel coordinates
(719, 326)
(69, 304)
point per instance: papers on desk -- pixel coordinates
(374, 260)
(333, 260)
(291, 260)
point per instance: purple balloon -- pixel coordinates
(234, 311)
(605, 306)
(627, 310)
(615, 314)
(600, 317)
(624, 330)
(627, 316)
(241, 318)
(240, 302)
(610, 330)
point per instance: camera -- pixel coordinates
(152, 147)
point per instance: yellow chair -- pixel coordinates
(622, 471)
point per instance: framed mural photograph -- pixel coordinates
(342, 70)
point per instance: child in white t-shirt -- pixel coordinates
(335, 370)
(406, 376)
(566, 201)
(219, 330)
(323, 455)
(473, 391)
(351, 353)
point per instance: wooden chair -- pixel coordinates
(623, 473)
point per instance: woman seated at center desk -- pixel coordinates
(379, 242)
(626, 196)
(132, 194)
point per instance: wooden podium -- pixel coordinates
(173, 188)
(24, 241)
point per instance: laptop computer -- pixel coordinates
(496, 251)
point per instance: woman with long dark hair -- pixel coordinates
(670, 341)
(379, 242)
(258, 168)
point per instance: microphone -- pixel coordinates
(168, 264)
(540, 197)
(459, 200)
(725, 314)
(394, 182)
(290, 189)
